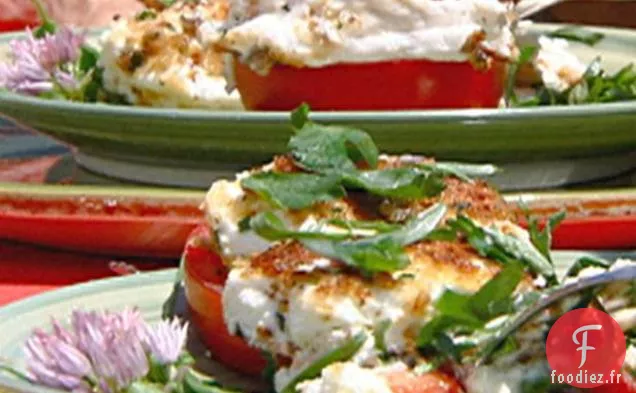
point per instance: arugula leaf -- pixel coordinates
(490, 242)
(294, 190)
(586, 262)
(494, 298)
(300, 116)
(463, 171)
(384, 252)
(269, 226)
(443, 234)
(370, 256)
(467, 313)
(359, 225)
(400, 183)
(340, 354)
(578, 34)
(327, 149)
(417, 228)
(542, 240)
(526, 54)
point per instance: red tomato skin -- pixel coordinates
(391, 85)
(434, 382)
(204, 277)
(627, 384)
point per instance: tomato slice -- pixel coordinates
(392, 85)
(434, 382)
(204, 277)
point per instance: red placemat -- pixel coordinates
(26, 270)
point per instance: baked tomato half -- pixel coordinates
(204, 277)
(392, 85)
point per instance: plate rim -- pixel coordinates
(88, 287)
(275, 117)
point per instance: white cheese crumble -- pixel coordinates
(559, 68)
(346, 378)
(157, 62)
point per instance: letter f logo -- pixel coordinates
(583, 344)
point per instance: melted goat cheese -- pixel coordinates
(159, 61)
(346, 378)
(315, 33)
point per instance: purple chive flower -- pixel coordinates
(40, 64)
(165, 341)
(101, 352)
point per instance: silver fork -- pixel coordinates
(621, 274)
(526, 8)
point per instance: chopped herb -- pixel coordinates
(327, 149)
(340, 354)
(294, 190)
(578, 34)
(399, 183)
(383, 252)
(146, 15)
(136, 60)
(490, 242)
(526, 54)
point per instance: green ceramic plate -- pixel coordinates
(190, 147)
(145, 291)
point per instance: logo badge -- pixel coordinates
(585, 349)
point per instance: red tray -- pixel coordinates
(113, 221)
(156, 222)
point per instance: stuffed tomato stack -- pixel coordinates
(344, 270)
(364, 55)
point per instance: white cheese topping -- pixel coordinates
(158, 62)
(346, 378)
(226, 204)
(316, 33)
(559, 68)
